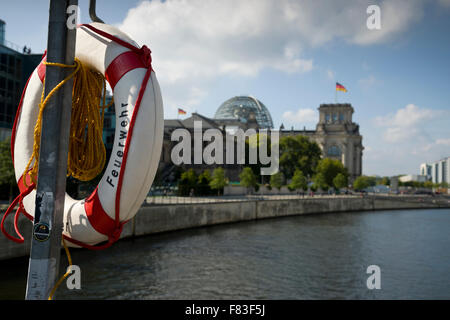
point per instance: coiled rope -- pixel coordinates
(87, 153)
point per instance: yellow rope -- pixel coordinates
(68, 272)
(87, 153)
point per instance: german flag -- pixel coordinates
(181, 112)
(340, 87)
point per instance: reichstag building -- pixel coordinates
(336, 134)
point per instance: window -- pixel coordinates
(335, 117)
(334, 151)
(327, 117)
(341, 117)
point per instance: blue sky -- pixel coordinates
(289, 54)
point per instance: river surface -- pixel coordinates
(303, 257)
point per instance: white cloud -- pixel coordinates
(396, 17)
(195, 41)
(301, 116)
(400, 141)
(406, 123)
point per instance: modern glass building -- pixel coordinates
(15, 68)
(245, 108)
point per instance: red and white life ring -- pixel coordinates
(137, 142)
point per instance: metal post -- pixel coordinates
(51, 186)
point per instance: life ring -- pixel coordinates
(137, 142)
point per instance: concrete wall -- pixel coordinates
(161, 218)
(263, 190)
(10, 249)
(153, 219)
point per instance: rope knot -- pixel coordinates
(146, 56)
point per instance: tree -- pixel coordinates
(361, 183)
(428, 184)
(340, 181)
(253, 145)
(248, 178)
(385, 181)
(328, 170)
(299, 181)
(7, 175)
(189, 176)
(187, 182)
(371, 180)
(298, 152)
(277, 180)
(218, 180)
(320, 181)
(203, 188)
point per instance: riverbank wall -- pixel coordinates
(152, 219)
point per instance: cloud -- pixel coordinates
(396, 17)
(301, 116)
(405, 124)
(205, 38)
(194, 42)
(408, 116)
(400, 141)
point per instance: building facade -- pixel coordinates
(15, 68)
(438, 171)
(413, 177)
(336, 133)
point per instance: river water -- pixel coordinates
(303, 257)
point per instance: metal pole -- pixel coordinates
(51, 186)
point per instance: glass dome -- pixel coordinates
(245, 108)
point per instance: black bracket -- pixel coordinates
(92, 14)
